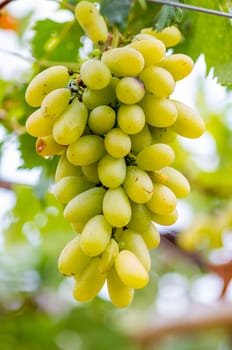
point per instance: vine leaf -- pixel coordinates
(116, 11)
(168, 16)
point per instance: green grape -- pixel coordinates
(71, 124)
(72, 260)
(78, 226)
(130, 270)
(38, 126)
(65, 168)
(101, 119)
(123, 61)
(163, 200)
(46, 146)
(131, 118)
(189, 123)
(95, 98)
(151, 236)
(49, 79)
(178, 64)
(85, 205)
(108, 256)
(155, 157)
(158, 81)
(89, 282)
(130, 90)
(91, 21)
(95, 235)
(170, 36)
(86, 150)
(151, 48)
(138, 184)
(141, 139)
(91, 172)
(116, 207)
(120, 295)
(95, 74)
(117, 143)
(133, 241)
(175, 180)
(55, 103)
(111, 171)
(159, 112)
(69, 186)
(162, 135)
(166, 219)
(140, 217)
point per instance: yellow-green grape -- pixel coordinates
(133, 241)
(159, 112)
(162, 135)
(130, 90)
(111, 171)
(91, 172)
(138, 184)
(69, 186)
(130, 270)
(189, 123)
(65, 168)
(178, 64)
(49, 79)
(86, 150)
(166, 219)
(124, 61)
(170, 36)
(108, 256)
(140, 217)
(91, 21)
(155, 157)
(95, 74)
(151, 236)
(175, 180)
(95, 235)
(72, 260)
(158, 81)
(85, 205)
(120, 294)
(38, 126)
(141, 139)
(89, 282)
(117, 143)
(46, 146)
(163, 200)
(94, 98)
(55, 103)
(131, 118)
(116, 207)
(101, 119)
(151, 48)
(71, 124)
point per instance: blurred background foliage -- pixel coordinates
(187, 304)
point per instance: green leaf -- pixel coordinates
(116, 11)
(56, 41)
(168, 16)
(210, 35)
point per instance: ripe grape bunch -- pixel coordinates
(112, 124)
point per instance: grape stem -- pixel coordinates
(192, 8)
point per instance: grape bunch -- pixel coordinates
(112, 123)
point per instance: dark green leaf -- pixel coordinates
(168, 16)
(116, 11)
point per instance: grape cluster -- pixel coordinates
(112, 124)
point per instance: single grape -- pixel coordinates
(117, 143)
(94, 98)
(101, 119)
(95, 74)
(91, 21)
(178, 64)
(140, 217)
(55, 103)
(171, 36)
(116, 207)
(155, 157)
(165, 219)
(131, 118)
(38, 126)
(130, 90)
(141, 139)
(65, 168)
(151, 236)
(151, 48)
(46, 146)
(111, 171)
(163, 200)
